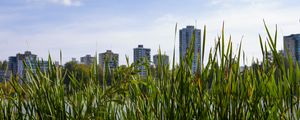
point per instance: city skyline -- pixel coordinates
(80, 27)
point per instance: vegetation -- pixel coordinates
(79, 71)
(221, 90)
(3, 65)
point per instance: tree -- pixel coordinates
(70, 66)
(3, 65)
(79, 71)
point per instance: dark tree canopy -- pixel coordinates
(3, 65)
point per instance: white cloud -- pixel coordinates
(237, 3)
(121, 34)
(247, 20)
(71, 2)
(243, 21)
(62, 2)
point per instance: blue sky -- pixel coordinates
(80, 27)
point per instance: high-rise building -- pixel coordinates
(164, 59)
(139, 55)
(112, 59)
(292, 46)
(186, 35)
(87, 60)
(17, 67)
(2, 75)
(74, 60)
(13, 65)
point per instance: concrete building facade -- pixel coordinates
(139, 55)
(164, 59)
(17, 67)
(87, 60)
(292, 46)
(109, 58)
(186, 35)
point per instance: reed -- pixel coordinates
(219, 90)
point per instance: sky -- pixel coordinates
(80, 27)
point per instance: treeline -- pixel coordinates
(3, 65)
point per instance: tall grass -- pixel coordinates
(219, 90)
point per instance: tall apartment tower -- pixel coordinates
(185, 38)
(112, 59)
(87, 60)
(16, 63)
(164, 59)
(141, 53)
(292, 46)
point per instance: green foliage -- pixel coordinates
(81, 71)
(3, 65)
(219, 90)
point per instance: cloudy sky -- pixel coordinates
(80, 27)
